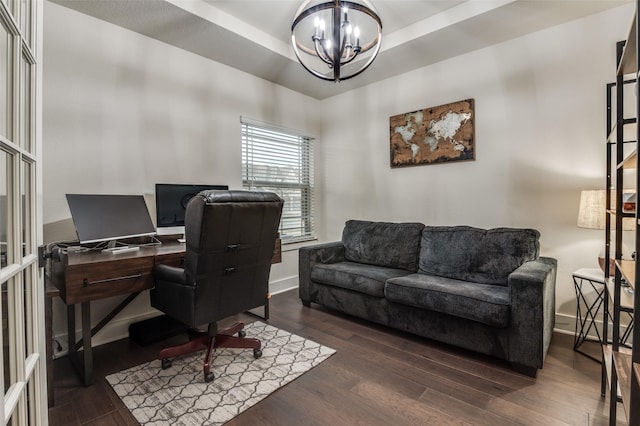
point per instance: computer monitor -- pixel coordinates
(171, 203)
(109, 217)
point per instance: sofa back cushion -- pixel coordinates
(476, 255)
(394, 245)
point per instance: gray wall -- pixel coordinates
(122, 112)
(540, 139)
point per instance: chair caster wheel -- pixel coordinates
(257, 353)
(166, 363)
(242, 333)
(208, 377)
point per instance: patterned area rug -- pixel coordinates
(179, 394)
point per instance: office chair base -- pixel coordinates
(202, 340)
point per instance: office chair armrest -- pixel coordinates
(169, 273)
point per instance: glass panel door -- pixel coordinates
(23, 375)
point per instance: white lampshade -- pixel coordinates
(591, 213)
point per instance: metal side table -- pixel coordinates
(589, 285)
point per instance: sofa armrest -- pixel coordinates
(309, 256)
(532, 290)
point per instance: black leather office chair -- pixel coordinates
(230, 240)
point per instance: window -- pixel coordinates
(281, 161)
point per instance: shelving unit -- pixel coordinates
(621, 364)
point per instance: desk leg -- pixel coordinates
(85, 368)
(71, 332)
(86, 343)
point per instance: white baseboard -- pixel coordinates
(566, 324)
(286, 284)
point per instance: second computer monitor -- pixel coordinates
(171, 203)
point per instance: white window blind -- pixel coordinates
(281, 161)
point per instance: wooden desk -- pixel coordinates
(87, 276)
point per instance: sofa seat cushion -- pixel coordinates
(367, 279)
(485, 303)
(394, 245)
(476, 255)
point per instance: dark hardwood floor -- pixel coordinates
(378, 376)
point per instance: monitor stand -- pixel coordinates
(114, 248)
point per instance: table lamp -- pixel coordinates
(591, 215)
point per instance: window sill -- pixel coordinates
(295, 245)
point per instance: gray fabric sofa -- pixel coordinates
(484, 290)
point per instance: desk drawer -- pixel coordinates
(99, 280)
(171, 259)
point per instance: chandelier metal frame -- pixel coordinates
(336, 54)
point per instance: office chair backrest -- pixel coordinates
(230, 241)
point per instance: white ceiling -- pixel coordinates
(254, 35)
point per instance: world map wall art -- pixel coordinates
(433, 135)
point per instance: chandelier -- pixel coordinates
(336, 40)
